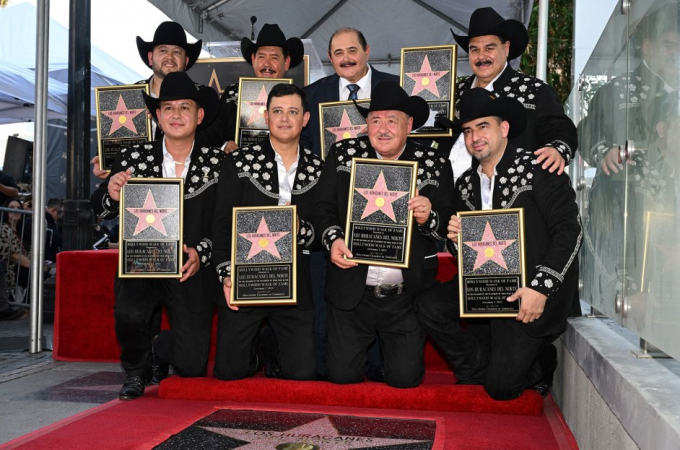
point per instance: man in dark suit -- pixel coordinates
(509, 355)
(180, 109)
(277, 171)
(369, 302)
(354, 78)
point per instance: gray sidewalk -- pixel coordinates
(36, 391)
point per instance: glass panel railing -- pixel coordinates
(602, 124)
(627, 109)
(651, 308)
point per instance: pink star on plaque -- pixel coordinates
(150, 215)
(263, 240)
(380, 198)
(426, 79)
(489, 248)
(122, 117)
(257, 107)
(347, 129)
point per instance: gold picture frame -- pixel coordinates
(379, 192)
(151, 228)
(484, 284)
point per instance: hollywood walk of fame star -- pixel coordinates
(320, 432)
(380, 198)
(426, 79)
(263, 240)
(489, 248)
(257, 107)
(122, 117)
(347, 129)
(150, 215)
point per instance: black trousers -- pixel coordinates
(497, 353)
(137, 303)
(318, 263)
(392, 320)
(294, 331)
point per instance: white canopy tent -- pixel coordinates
(17, 59)
(388, 26)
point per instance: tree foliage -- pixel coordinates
(560, 32)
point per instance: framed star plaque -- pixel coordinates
(430, 73)
(151, 228)
(340, 120)
(379, 224)
(122, 120)
(491, 264)
(251, 127)
(264, 255)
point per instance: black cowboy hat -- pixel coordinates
(486, 21)
(169, 33)
(478, 102)
(388, 95)
(271, 36)
(179, 86)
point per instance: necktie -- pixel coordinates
(353, 89)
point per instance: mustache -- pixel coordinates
(348, 64)
(479, 63)
(267, 70)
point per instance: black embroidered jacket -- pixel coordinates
(547, 125)
(250, 178)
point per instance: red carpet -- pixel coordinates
(84, 331)
(145, 423)
(427, 397)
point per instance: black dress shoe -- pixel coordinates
(159, 370)
(544, 386)
(376, 374)
(268, 352)
(133, 388)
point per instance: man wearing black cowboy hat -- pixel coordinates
(169, 52)
(276, 171)
(491, 43)
(369, 302)
(181, 109)
(509, 355)
(271, 55)
(353, 78)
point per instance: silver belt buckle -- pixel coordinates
(377, 292)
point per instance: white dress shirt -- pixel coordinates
(364, 87)
(286, 177)
(459, 156)
(169, 166)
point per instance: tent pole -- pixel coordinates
(39, 163)
(542, 48)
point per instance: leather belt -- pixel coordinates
(385, 290)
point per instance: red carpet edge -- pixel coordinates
(427, 397)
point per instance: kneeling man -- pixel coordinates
(181, 109)
(510, 355)
(277, 171)
(369, 302)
